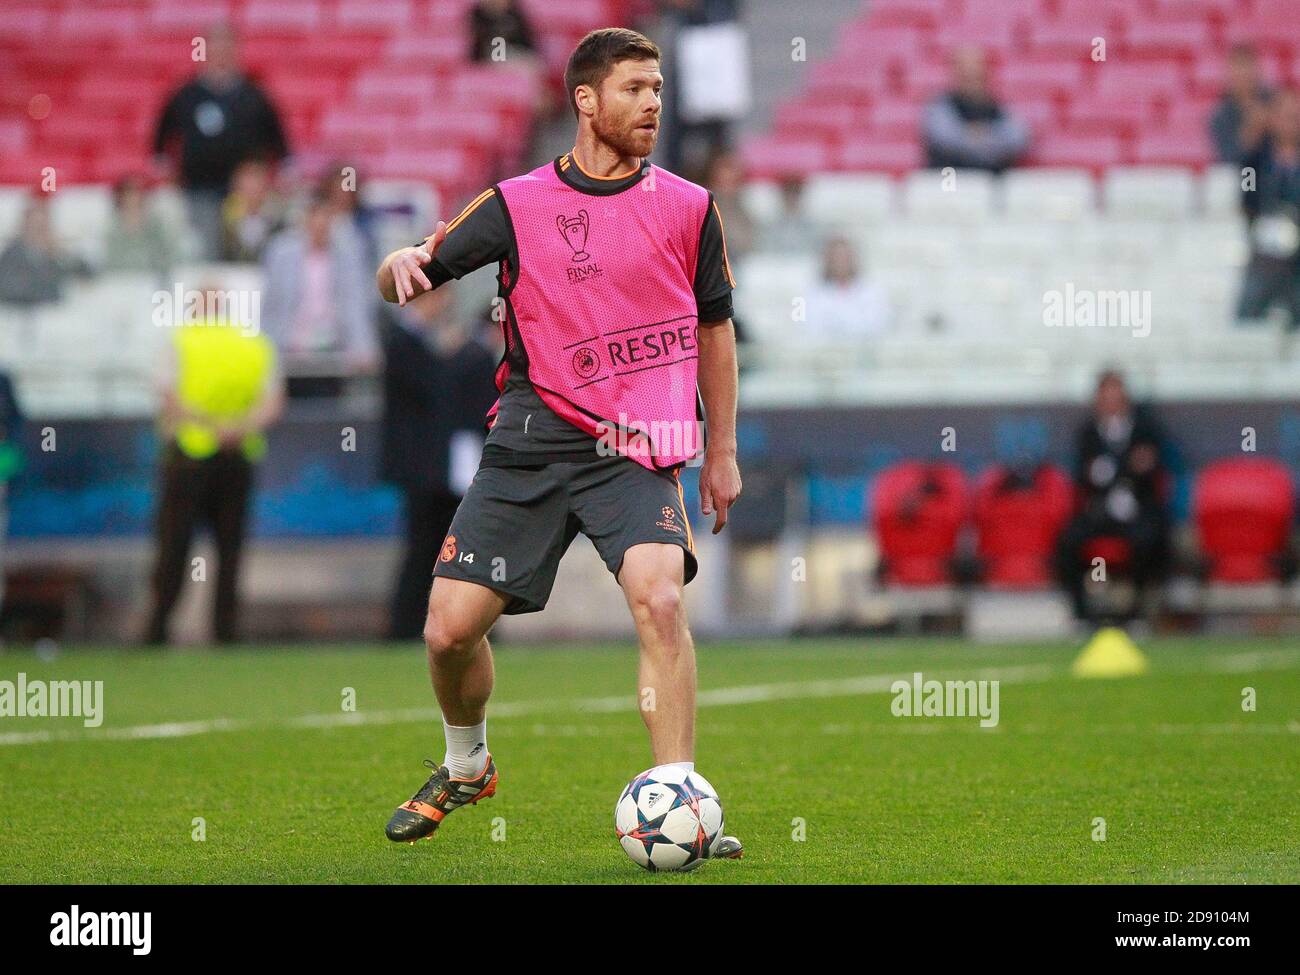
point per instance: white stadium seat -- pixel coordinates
(1221, 191)
(13, 201)
(1048, 194)
(81, 215)
(1149, 192)
(840, 199)
(761, 199)
(964, 195)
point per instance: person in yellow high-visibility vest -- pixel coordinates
(221, 391)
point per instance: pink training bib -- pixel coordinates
(604, 302)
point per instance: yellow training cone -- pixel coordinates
(1110, 653)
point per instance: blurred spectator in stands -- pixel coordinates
(220, 388)
(706, 81)
(844, 306)
(136, 239)
(791, 231)
(438, 387)
(726, 179)
(339, 185)
(251, 214)
(500, 33)
(499, 29)
(318, 303)
(1241, 118)
(966, 128)
(1273, 274)
(11, 459)
(220, 118)
(34, 268)
(1122, 483)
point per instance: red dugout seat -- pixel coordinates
(1244, 509)
(917, 512)
(1017, 525)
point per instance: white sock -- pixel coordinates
(687, 766)
(467, 752)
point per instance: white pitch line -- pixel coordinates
(719, 697)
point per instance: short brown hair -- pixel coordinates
(597, 53)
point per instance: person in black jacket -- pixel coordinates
(1273, 207)
(1121, 480)
(438, 387)
(11, 421)
(220, 118)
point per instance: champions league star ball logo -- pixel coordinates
(574, 232)
(585, 362)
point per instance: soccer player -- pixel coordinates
(615, 300)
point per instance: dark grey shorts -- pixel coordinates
(515, 523)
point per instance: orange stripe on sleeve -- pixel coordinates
(726, 261)
(474, 205)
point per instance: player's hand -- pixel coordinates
(719, 485)
(408, 265)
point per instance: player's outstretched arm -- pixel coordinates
(718, 378)
(401, 275)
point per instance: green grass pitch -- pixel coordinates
(293, 789)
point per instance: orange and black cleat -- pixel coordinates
(441, 795)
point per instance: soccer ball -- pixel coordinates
(668, 819)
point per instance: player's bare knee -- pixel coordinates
(447, 638)
(658, 604)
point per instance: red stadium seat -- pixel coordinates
(1165, 38)
(773, 158)
(1107, 116)
(1093, 152)
(917, 512)
(1175, 147)
(1244, 509)
(908, 13)
(897, 121)
(878, 155)
(832, 122)
(1113, 550)
(1122, 81)
(1017, 525)
(1037, 77)
(923, 80)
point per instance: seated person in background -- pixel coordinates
(318, 301)
(11, 458)
(499, 29)
(1118, 473)
(844, 306)
(33, 267)
(726, 178)
(136, 239)
(966, 128)
(251, 214)
(438, 387)
(351, 210)
(1273, 273)
(500, 33)
(790, 231)
(1241, 118)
